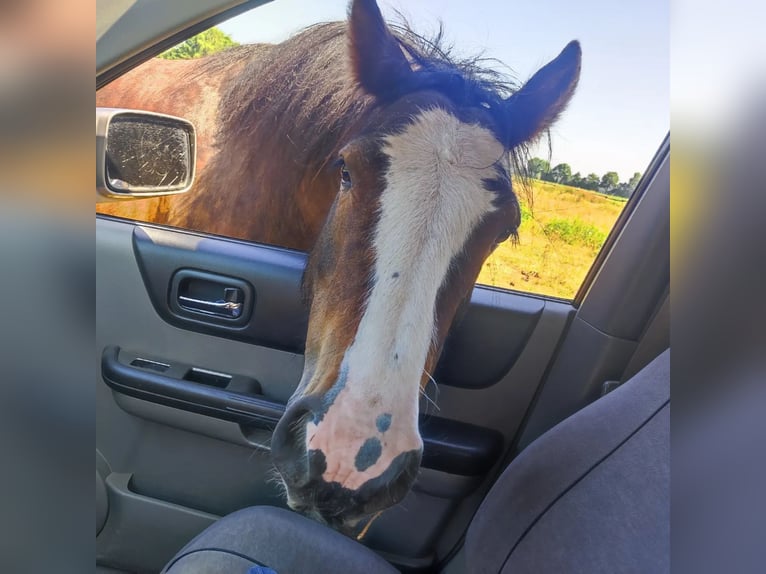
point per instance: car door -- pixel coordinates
(187, 399)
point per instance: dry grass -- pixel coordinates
(559, 237)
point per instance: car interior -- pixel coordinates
(547, 448)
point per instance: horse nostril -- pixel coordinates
(410, 464)
(288, 449)
(401, 476)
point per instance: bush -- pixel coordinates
(526, 213)
(575, 231)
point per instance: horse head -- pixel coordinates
(424, 195)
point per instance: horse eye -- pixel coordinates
(345, 178)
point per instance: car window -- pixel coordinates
(571, 185)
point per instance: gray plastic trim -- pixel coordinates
(502, 406)
(620, 303)
(102, 466)
(143, 533)
(102, 498)
(409, 530)
(655, 339)
(259, 439)
(445, 485)
(636, 272)
(102, 503)
(587, 358)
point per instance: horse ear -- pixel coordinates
(377, 62)
(538, 104)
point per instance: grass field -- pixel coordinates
(562, 230)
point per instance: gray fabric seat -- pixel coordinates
(282, 540)
(590, 495)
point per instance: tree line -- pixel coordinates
(608, 183)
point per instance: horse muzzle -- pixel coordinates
(320, 493)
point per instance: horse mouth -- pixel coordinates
(352, 512)
(351, 526)
(357, 527)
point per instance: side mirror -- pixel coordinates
(142, 154)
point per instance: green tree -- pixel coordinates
(537, 167)
(610, 180)
(577, 180)
(633, 183)
(622, 190)
(562, 173)
(592, 181)
(205, 43)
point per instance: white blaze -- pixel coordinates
(433, 199)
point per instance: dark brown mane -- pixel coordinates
(309, 97)
(312, 67)
(470, 82)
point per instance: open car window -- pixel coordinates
(572, 184)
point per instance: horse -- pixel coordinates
(388, 160)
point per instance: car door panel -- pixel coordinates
(483, 345)
(179, 462)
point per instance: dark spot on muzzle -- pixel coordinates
(368, 454)
(383, 422)
(329, 397)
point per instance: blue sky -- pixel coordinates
(621, 110)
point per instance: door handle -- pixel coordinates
(210, 298)
(229, 306)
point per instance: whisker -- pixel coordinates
(436, 386)
(275, 479)
(261, 448)
(367, 526)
